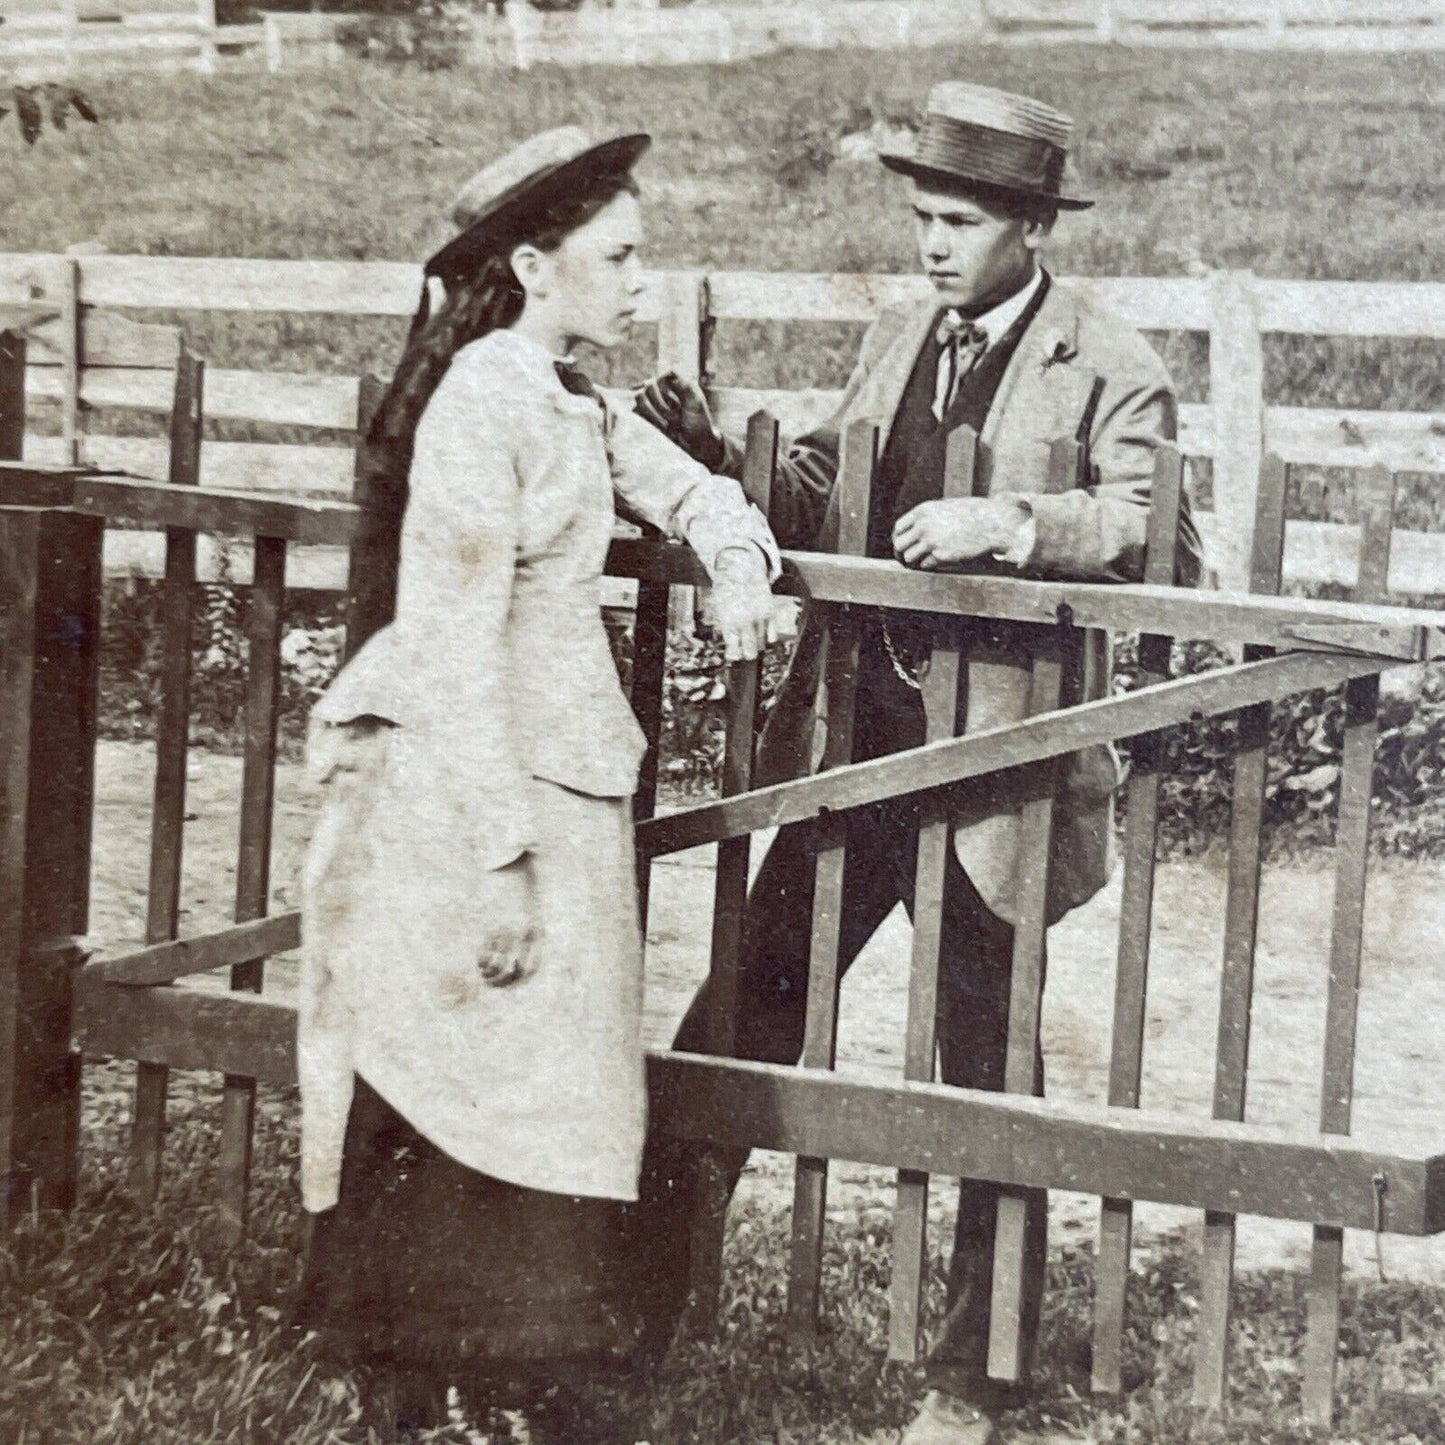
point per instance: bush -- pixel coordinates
(1305, 731)
(436, 35)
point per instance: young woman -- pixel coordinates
(469, 1044)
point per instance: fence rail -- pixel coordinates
(91, 359)
(49, 39)
(41, 41)
(50, 541)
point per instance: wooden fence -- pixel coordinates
(54, 1004)
(720, 33)
(47, 39)
(53, 39)
(90, 363)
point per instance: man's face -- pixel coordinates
(974, 255)
(596, 275)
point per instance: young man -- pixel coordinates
(1005, 349)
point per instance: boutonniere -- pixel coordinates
(1057, 348)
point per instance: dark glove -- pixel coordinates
(678, 408)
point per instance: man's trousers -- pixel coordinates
(975, 967)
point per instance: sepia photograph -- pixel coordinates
(722, 722)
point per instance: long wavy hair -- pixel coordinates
(485, 298)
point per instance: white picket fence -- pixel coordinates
(44, 40)
(47, 39)
(90, 363)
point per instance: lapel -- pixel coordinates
(1044, 388)
(882, 392)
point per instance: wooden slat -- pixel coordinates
(1294, 622)
(1352, 308)
(380, 288)
(168, 806)
(357, 288)
(730, 898)
(941, 710)
(1405, 441)
(1007, 1347)
(1315, 553)
(820, 1034)
(936, 1129)
(159, 504)
(12, 396)
(288, 468)
(683, 333)
(253, 866)
(1236, 392)
(1136, 907)
(1150, 303)
(649, 664)
(1241, 924)
(68, 286)
(107, 338)
(50, 586)
(165, 962)
(276, 397)
(1352, 850)
(229, 560)
(991, 750)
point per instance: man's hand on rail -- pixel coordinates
(678, 408)
(955, 530)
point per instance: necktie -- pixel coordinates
(961, 343)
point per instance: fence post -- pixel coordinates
(683, 333)
(68, 292)
(69, 32)
(50, 577)
(206, 33)
(1104, 24)
(12, 396)
(1274, 20)
(271, 43)
(1236, 397)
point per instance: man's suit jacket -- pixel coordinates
(1096, 532)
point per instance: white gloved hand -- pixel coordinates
(742, 606)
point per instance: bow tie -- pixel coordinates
(956, 329)
(961, 343)
(575, 380)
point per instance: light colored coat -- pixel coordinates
(509, 733)
(1096, 533)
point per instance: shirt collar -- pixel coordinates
(531, 354)
(995, 322)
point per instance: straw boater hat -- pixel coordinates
(992, 140)
(543, 169)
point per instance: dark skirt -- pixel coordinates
(429, 1266)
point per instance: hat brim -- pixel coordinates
(905, 164)
(613, 157)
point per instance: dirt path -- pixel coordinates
(1400, 1087)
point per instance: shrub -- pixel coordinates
(1305, 731)
(436, 35)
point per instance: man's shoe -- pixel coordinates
(944, 1419)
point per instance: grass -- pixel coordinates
(1317, 166)
(119, 1326)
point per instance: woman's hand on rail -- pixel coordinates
(678, 408)
(743, 607)
(508, 948)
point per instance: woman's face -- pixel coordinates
(590, 285)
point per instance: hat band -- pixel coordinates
(993, 157)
